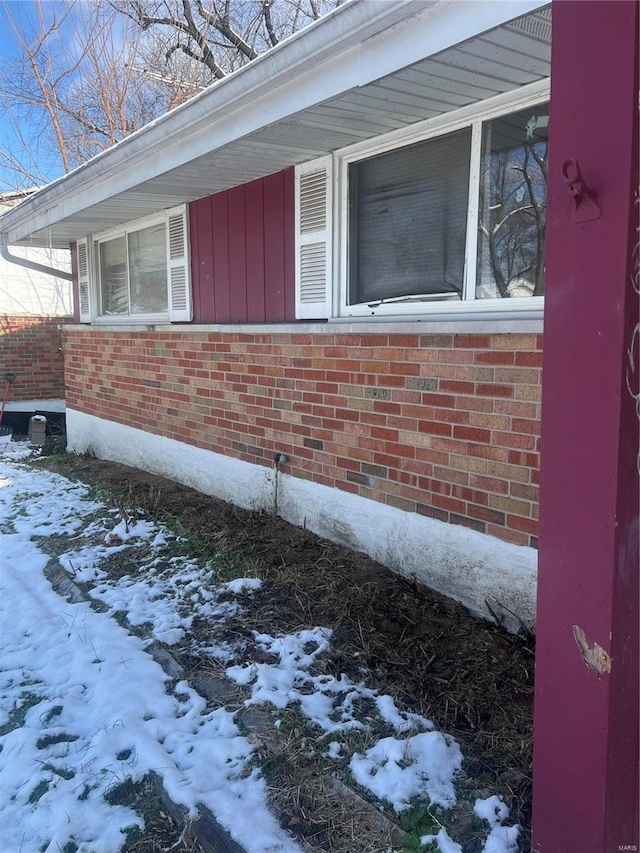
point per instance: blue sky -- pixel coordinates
(23, 127)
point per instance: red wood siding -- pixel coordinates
(242, 253)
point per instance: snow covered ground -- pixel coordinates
(84, 706)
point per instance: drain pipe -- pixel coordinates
(278, 460)
(30, 265)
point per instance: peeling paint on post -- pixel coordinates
(595, 658)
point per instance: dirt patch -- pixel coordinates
(162, 832)
(471, 678)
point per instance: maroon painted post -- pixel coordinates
(586, 711)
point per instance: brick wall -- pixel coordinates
(442, 425)
(31, 347)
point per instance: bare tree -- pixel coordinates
(72, 89)
(85, 75)
(223, 35)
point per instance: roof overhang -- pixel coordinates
(369, 67)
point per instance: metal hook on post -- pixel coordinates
(585, 205)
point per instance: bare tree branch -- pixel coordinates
(85, 75)
(268, 22)
(511, 213)
(221, 23)
(16, 166)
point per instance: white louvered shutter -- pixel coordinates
(178, 267)
(314, 246)
(84, 290)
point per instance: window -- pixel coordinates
(451, 222)
(512, 209)
(138, 271)
(408, 221)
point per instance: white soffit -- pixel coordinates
(420, 65)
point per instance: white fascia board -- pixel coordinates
(348, 48)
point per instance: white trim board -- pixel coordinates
(341, 326)
(471, 567)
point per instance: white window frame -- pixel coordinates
(184, 313)
(473, 117)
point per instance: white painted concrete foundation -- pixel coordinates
(471, 567)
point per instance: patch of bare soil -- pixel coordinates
(471, 678)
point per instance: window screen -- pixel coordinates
(148, 270)
(408, 215)
(113, 276)
(513, 205)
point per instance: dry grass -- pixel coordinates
(471, 678)
(161, 834)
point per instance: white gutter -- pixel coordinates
(30, 265)
(353, 45)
